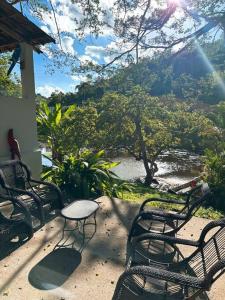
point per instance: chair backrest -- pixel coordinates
(198, 197)
(13, 173)
(210, 252)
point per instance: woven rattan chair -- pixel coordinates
(150, 219)
(16, 223)
(42, 198)
(154, 273)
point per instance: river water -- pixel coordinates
(175, 167)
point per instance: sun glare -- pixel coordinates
(211, 67)
(176, 2)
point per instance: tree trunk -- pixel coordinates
(149, 176)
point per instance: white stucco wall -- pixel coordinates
(19, 114)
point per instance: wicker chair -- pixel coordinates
(150, 219)
(173, 276)
(42, 198)
(17, 223)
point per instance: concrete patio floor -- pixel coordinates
(34, 272)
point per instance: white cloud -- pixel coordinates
(95, 51)
(47, 90)
(46, 50)
(79, 78)
(67, 45)
(65, 13)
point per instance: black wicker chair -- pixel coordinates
(41, 197)
(15, 221)
(153, 273)
(150, 219)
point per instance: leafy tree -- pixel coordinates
(138, 26)
(9, 85)
(212, 88)
(51, 127)
(66, 130)
(81, 128)
(194, 132)
(220, 115)
(146, 126)
(133, 123)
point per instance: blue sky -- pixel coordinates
(60, 80)
(90, 49)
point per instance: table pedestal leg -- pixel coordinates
(80, 228)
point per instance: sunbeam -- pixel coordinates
(217, 77)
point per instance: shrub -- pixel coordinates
(215, 176)
(87, 175)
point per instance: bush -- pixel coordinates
(215, 176)
(87, 175)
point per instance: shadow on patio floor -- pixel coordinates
(54, 269)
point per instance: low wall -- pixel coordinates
(19, 114)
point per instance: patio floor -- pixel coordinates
(34, 272)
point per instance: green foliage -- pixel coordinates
(146, 126)
(189, 76)
(81, 128)
(9, 85)
(214, 174)
(66, 130)
(194, 131)
(51, 127)
(218, 116)
(84, 176)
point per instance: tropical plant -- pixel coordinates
(51, 127)
(84, 176)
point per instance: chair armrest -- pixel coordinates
(180, 279)
(165, 238)
(166, 275)
(162, 214)
(17, 203)
(32, 195)
(51, 185)
(170, 201)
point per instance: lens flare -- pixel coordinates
(217, 77)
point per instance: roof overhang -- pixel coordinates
(16, 28)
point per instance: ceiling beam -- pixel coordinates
(12, 33)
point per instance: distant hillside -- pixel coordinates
(189, 76)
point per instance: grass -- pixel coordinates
(140, 192)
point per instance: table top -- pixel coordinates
(79, 209)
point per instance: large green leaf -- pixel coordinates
(58, 113)
(69, 110)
